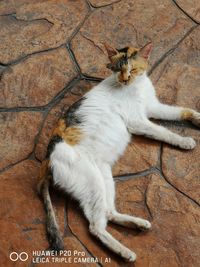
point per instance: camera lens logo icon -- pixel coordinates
(14, 256)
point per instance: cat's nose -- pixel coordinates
(126, 77)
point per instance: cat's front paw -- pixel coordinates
(187, 143)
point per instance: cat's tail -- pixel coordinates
(52, 228)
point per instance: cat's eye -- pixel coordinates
(133, 55)
(133, 70)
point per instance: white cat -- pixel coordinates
(95, 132)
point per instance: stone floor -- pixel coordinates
(51, 53)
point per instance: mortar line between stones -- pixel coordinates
(181, 192)
(20, 109)
(21, 59)
(179, 259)
(31, 20)
(54, 101)
(172, 185)
(90, 78)
(117, 1)
(66, 226)
(93, 42)
(12, 165)
(68, 44)
(8, 14)
(2, 69)
(80, 24)
(31, 264)
(36, 159)
(2, 65)
(50, 105)
(62, 93)
(29, 157)
(73, 59)
(49, 49)
(171, 50)
(89, 4)
(160, 157)
(184, 12)
(146, 204)
(78, 69)
(37, 136)
(77, 30)
(129, 176)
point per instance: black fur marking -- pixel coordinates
(133, 55)
(70, 115)
(54, 237)
(117, 66)
(53, 233)
(54, 140)
(123, 50)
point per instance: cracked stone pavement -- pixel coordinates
(51, 53)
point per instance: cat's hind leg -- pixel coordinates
(113, 215)
(95, 209)
(84, 181)
(129, 221)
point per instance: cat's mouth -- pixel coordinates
(125, 82)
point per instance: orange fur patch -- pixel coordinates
(60, 128)
(71, 135)
(138, 65)
(187, 114)
(131, 50)
(118, 56)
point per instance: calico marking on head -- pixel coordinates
(128, 62)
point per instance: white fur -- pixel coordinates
(110, 114)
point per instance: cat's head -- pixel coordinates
(128, 62)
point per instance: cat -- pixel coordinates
(94, 132)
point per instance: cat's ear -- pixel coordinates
(145, 51)
(110, 50)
